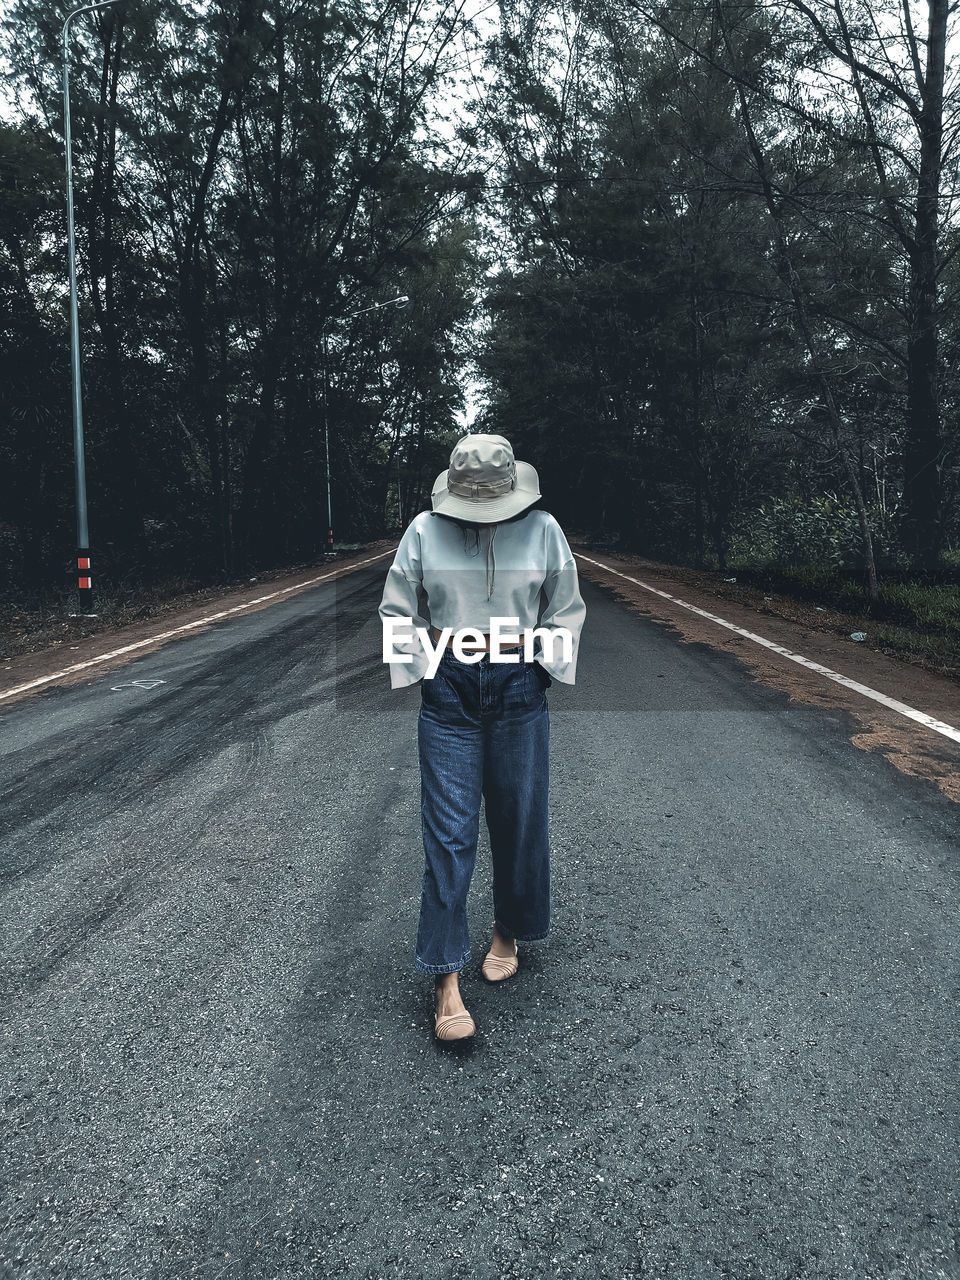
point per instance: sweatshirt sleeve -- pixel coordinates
(404, 598)
(562, 606)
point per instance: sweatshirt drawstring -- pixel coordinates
(491, 563)
(491, 560)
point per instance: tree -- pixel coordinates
(245, 175)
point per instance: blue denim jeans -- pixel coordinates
(483, 734)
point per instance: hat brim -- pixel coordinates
(488, 510)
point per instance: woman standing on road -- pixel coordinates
(484, 726)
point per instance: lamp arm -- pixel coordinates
(87, 8)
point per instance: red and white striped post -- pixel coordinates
(84, 581)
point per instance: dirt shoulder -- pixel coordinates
(821, 637)
(85, 643)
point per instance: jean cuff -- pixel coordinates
(520, 937)
(444, 968)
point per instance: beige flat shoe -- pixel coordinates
(497, 968)
(455, 1026)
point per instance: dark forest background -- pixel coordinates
(702, 258)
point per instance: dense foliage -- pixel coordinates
(702, 258)
(251, 178)
(735, 278)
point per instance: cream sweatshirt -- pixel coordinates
(447, 575)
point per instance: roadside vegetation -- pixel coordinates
(805, 562)
(812, 553)
(908, 619)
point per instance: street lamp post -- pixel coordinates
(84, 580)
(401, 301)
(326, 441)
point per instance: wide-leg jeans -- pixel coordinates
(483, 735)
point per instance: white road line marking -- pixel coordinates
(200, 622)
(912, 713)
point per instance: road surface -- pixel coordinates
(735, 1055)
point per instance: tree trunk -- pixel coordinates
(788, 275)
(922, 484)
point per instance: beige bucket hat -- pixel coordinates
(484, 482)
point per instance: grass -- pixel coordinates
(909, 617)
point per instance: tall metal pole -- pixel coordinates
(84, 580)
(402, 301)
(326, 440)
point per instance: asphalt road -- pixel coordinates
(736, 1054)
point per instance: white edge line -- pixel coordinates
(912, 713)
(189, 626)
